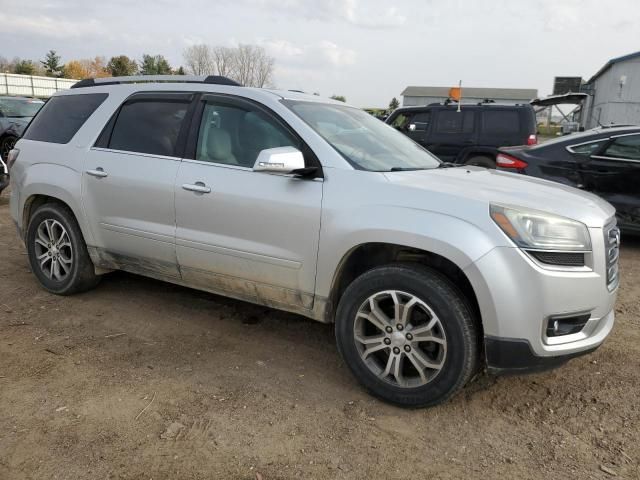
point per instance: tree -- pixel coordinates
(122, 66)
(199, 60)
(76, 69)
(253, 67)
(393, 104)
(6, 66)
(180, 71)
(24, 67)
(340, 98)
(51, 64)
(154, 65)
(224, 59)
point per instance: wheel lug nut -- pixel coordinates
(409, 336)
(399, 326)
(407, 348)
(387, 341)
(388, 329)
(396, 350)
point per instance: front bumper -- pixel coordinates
(517, 297)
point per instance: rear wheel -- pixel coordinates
(57, 252)
(407, 335)
(481, 161)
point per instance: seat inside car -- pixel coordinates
(219, 148)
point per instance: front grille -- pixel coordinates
(566, 259)
(612, 251)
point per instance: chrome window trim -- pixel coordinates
(570, 148)
(128, 152)
(217, 164)
(617, 159)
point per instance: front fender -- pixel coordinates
(38, 180)
(455, 239)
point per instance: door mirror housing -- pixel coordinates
(284, 160)
(412, 127)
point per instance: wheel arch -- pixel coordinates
(366, 256)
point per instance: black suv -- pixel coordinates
(472, 135)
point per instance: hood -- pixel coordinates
(487, 186)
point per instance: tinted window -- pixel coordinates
(627, 148)
(149, 126)
(500, 121)
(421, 121)
(61, 117)
(235, 135)
(452, 121)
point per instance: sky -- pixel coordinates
(366, 50)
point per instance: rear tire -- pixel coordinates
(419, 359)
(481, 161)
(57, 251)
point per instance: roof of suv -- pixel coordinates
(463, 106)
(185, 83)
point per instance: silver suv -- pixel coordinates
(302, 204)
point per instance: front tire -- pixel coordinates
(407, 334)
(57, 252)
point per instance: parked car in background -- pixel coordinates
(316, 207)
(605, 161)
(15, 115)
(471, 136)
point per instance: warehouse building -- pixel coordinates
(419, 96)
(614, 93)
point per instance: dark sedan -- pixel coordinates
(605, 161)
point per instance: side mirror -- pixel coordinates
(284, 160)
(412, 127)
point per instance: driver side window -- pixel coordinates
(235, 135)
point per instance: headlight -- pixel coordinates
(535, 230)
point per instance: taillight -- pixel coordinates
(532, 139)
(507, 161)
(12, 157)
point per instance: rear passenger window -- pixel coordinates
(500, 121)
(626, 148)
(452, 121)
(61, 117)
(149, 126)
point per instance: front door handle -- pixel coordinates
(198, 187)
(98, 172)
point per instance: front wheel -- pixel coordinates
(407, 334)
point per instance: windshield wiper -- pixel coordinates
(448, 165)
(407, 169)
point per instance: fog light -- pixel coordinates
(566, 325)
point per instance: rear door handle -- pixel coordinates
(198, 187)
(98, 172)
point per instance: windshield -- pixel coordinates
(19, 107)
(364, 141)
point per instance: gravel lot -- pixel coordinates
(142, 379)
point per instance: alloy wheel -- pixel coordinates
(400, 338)
(53, 250)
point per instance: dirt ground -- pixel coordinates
(140, 379)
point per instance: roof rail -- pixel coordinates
(210, 79)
